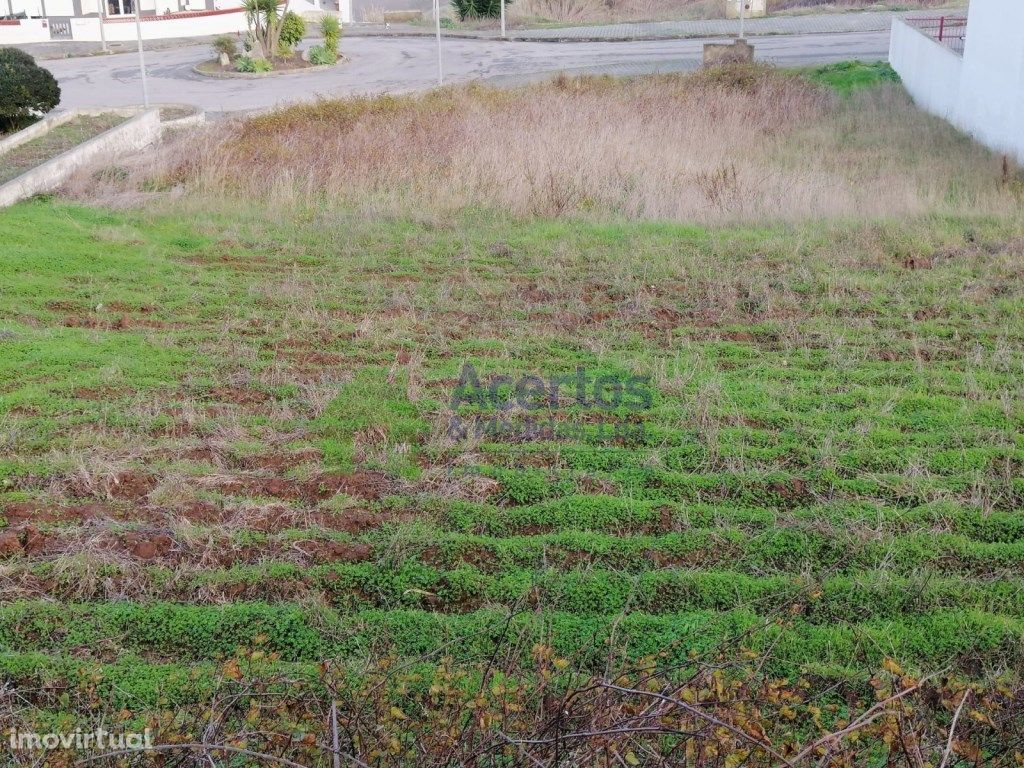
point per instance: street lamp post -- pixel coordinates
(502, 18)
(101, 6)
(142, 56)
(437, 24)
(743, 15)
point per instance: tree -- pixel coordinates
(265, 21)
(26, 89)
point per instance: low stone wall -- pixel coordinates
(34, 131)
(738, 52)
(132, 135)
(399, 17)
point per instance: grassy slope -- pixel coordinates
(220, 430)
(829, 416)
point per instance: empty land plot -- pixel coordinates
(747, 144)
(246, 469)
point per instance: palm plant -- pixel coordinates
(265, 19)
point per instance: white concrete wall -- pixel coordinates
(26, 31)
(991, 104)
(982, 93)
(156, 29)
(930, 71)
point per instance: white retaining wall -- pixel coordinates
(930, 71)
(982, 93)
(134, 134)
(991, 102)
(25, 31)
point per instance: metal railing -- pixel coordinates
(950, 31)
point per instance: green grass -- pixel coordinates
(847, 76)
(226, 429)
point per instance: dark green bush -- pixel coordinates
(293, 28)
(476, 9)
(26, 89)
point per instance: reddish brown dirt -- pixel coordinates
(310, 358)
(17, 513)
(147, 546)
(667, 319)
(99, 393)
(65, 306)
(364, 484)
(121, 306)
(336, 551)
(277, 462)
(916, 262)
(131, 486)
(239, 395)
(33, 540)
(10, 544)
(114, 322)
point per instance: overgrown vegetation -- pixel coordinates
(773, 147)
(235, 510)
(27, 91)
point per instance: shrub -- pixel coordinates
(330, 27)
(320, 55)
(225, 44)
(292, 29)
(476, 9)
(26, 89)
(249, 64)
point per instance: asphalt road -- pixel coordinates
(379, 65)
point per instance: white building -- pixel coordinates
(971, 74)
(33, 21)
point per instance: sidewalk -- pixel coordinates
(811, 24)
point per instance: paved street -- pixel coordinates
(392, 65)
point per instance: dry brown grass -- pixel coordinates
(729, 145)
